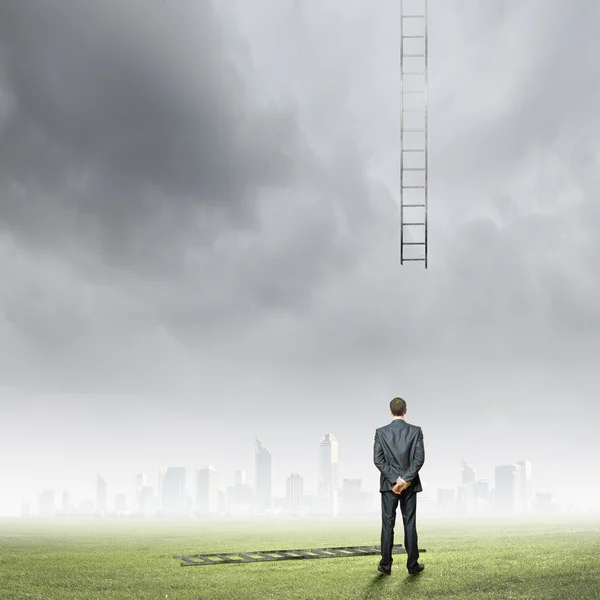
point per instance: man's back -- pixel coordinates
(399, 453)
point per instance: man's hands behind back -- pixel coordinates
(400, 487)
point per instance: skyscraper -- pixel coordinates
(505, 493)
(141, 480)
(240, 478)
(524, 489)
(145, 499)
(100, 493)
(207, 491)
(239, 499)
(467, 473)
(481, 496)
(262, 473)
(173, 499)
(465, 501)
(293, 492)
(161, 477)
(328, 466)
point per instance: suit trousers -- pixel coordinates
(408, 507)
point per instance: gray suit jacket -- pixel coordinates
(399, 452)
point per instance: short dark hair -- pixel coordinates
(398, 407)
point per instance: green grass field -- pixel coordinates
(121, 559)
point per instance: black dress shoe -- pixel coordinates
(384, 571)
(418, 569)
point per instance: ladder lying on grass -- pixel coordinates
(276, 555)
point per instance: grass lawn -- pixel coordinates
(556, 557)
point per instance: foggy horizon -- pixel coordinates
(199, 241)
(125, 484)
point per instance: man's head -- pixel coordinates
(398, 407)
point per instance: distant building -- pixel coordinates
(465, 501)
(445, 500)
(481, 489)
(294, 489)
(100, 493)
(174, 490)
(141, 480)
(240, 477)
(482, 500)
(328, 465)
(543, 504)
(47, 506)
(241, 491)
(427, 500)
(85, 508)
(240, 497)
(524, 489)
(467, 473)
(68, 502)
(162, 472)
(121, 502)
(315, 505)
(353, 501)
(146, 500)
(207, 491)
(262, 473)
(280, 505)
(506, 488)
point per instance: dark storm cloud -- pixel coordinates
(154, 159)
(127, 125)
(133, 152)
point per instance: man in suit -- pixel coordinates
(399, 454)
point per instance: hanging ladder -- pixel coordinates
(413, 131)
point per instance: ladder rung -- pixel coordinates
(413, 36)
(414, 129)
(414, 110)
(413, 149)
(414, 205)
(414, 55)
(405, 259)
(403, 224)
(413, 91)
(413, 243)
(413, 72)
(413, 168)
(413, 16)
(412, 187)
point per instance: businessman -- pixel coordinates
(399, 454)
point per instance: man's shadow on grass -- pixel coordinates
(377, 583)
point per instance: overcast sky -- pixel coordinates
(199, 240)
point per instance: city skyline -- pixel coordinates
(206, 491)
(511, 494)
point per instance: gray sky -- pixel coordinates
(199, 239)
